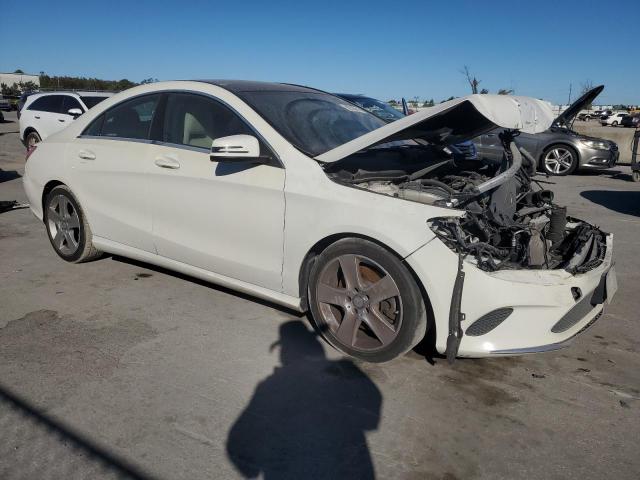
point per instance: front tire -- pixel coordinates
(67, 226)
(559, 160)
(614, 124)
(365, 302)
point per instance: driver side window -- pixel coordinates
(196, 120)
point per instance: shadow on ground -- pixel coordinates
(309, 418)
(34, 445)
(626, 201)
(8, 175)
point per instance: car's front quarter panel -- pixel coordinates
(318, 208)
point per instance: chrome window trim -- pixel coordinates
(173, 145)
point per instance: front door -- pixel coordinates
(226, 218)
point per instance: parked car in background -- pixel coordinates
(586, 116)
(5, 104)
(559, 150)
(632, 121)
(465, 150)
(614, 119)
(382, 237)
(46, 113)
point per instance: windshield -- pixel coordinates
(378, 108)
(314, 122)
(91, 102)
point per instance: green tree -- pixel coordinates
(428, 103)
(19, 71)
(505, 91)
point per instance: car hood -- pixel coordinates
(566, 117)
(455, 121)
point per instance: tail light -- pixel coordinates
(30, 151)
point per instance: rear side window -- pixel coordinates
(196, 120)
(48, 103)
(91, 102)
(130, 119)
(70, 102)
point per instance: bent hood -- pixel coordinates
(455, 121)
(566, 117)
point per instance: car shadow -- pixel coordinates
(625, 201)
(309, 418)
(615, 174)
(34, 445)
(8, 175)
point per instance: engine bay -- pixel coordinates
(510, 221)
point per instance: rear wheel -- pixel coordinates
(67, 227)
(559, 160)
(365, 302)
(615, 124)
(32, 139)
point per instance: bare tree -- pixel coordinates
(584, 88)
(472, 80)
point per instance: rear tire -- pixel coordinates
(614, 124)
(365, 302)
(67, 227)
(32, 139)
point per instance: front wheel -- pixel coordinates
(67, 227)
(559, 160)
(615, 124)
(365, 302)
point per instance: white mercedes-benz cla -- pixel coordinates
(299, 197)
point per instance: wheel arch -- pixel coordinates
(50, 185)
(321, 245)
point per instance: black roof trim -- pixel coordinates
(237, 86)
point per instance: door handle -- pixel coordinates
(37, 116)
(167, 162)
(86, 155)
(61, 120)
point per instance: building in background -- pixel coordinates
(10, 78)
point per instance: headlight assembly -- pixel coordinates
(597, 144)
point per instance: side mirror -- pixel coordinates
(74, 112)
(236, 148)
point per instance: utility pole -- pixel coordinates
(569, 102)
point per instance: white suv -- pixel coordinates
(46, 113)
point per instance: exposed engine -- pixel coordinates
(511, 221)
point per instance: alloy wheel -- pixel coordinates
(64, 225)
(359, 302)
(558, 160)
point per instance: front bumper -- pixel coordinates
(538, 300)
(596, 158)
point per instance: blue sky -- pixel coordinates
(383, 49)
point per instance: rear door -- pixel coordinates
(111, 172)
(44, 113)
(226, 218)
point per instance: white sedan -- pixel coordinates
(299, 197)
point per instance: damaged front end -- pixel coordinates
(510, 220)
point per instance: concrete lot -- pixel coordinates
(170, 374)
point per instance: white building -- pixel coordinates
(10, 78)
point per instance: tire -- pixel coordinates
(552, 163)
(635, 175)
(32, 139)
(67, 227)
(614, 124)
(370, 324)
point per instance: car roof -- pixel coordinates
(239, 86)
